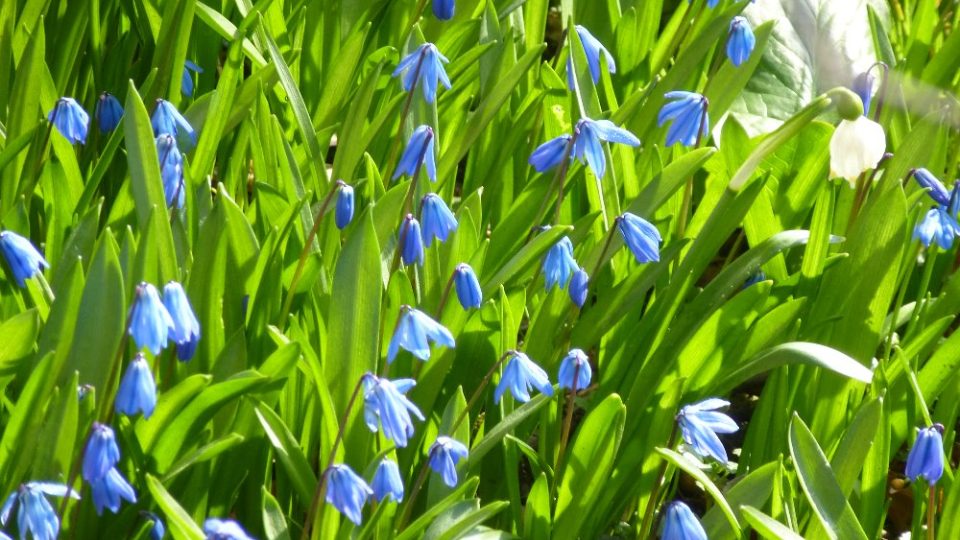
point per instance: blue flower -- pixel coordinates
(740, 41)
(167, 119)
(863, 87)
(186, 80)
(419, 151)
(171, 170)
(70, 120)
(641, 237)
(579, 285)
(468, 287)
(138, 391)
(925, 459)
(186, 328)
(424, 66)
(384, 403)
(108, 112)
(937, 191)
(411, 242)
(438, 220)
(575, 372)
(414, 329)
(938, 225)
(158, 529)
(150, 322)
(347, 492)
(444, 454)
(591, 49)
(559, 264)
(387, 481)
(224, 529)
(699, 425)
(551, 153)
(680, 523)
(24, 259)
(754, 279)
(35, 515)
(689, 115)
(101, 453)
(587, 146)
(109, 489)
(343, 214)
(443, 9)
(520, 375)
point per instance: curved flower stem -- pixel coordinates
(652, 502)
(445, 295)
(417, 486)
(931, 510)
(395, 147)
(688, 188)
(565, 433)
(558, 181)
(45, 287)
(927, 275)
(606, 248)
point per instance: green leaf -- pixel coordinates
(796, 353)
(693, 469)
(19, 337)
(766, 526)
(274, 522)
(287, 450)
(504, 427)
(755, 489)
(178, 521)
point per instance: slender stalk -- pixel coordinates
(45, 287)
(606, 247)
(395, 147)
(445, 295)
(931, 510)
(652, 503)
(924, 287)
(565, 433)
(688, 188)
(558, 180)
(417, 486)
(884, 90)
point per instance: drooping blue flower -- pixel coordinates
(740, 41)
(592, 48)
(343, 214)
(35, 514)
(186, 80)
(925, 459)
(937, 191)
(414, 330)
(710, 3)
(754, 279)
(438, 220)
(24, 259)
(411, 241)
(224, 529)
(167, 119)
(171, 171)
(468, 287)
(937, 226)
(444, 455)
(699, 425)
(150, 322)
(680, 523)
(424, 66)
(108, 112)
(387, 481)
(863, 87)
(70, 120)
(101, 452)
(519, 376)
(419, 151)
(186, 328)
(158, 529)
(347, 492)
(443, 9)
(689, 115)
(551, 153)
(109, 490)
(559, 264)
(385, 404)
(579, 285)
(138, 391)
(575, 371)
(589, 134)
(641, 237)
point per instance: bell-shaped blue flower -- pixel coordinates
(641, 237)
(108, 112)
(579, 284)
(138, 391)
(925, 459)
(689, 115)
(740, 41)
(150, 322)
(589, 134)
(863, 87)
(438, 220)
(347, 492)
(575, 372)
(937, 191)
(419, 151)
(109, 490)
(171, 171)
(424, 66)
(385, 404)
(387, 481)
(592, 49)
(680, 523)
(559, 264)
(519, 376)
(343, 214)
(24, 259)
(70, 120)
(157, 528)
(411, 241)
(443, 9)
(414, 331)
(224, 529)
(937, 226)
(186, 328)
(699, 425)
(551, 153)
(186, 80)
(35, 514)
(468, 287)
(101, 453)
(167, 119)
(444, 455)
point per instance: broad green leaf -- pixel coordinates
(796, 353)
(289, 453)
(178, 521)
(766, 526)
(691, 468)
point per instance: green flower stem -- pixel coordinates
(931, 510)
(565, 433)
(647, 523)
(395, 147)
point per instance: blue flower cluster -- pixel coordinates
(940, 224)
(152, 321)
(100, 459)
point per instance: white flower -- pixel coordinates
(855, 147)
